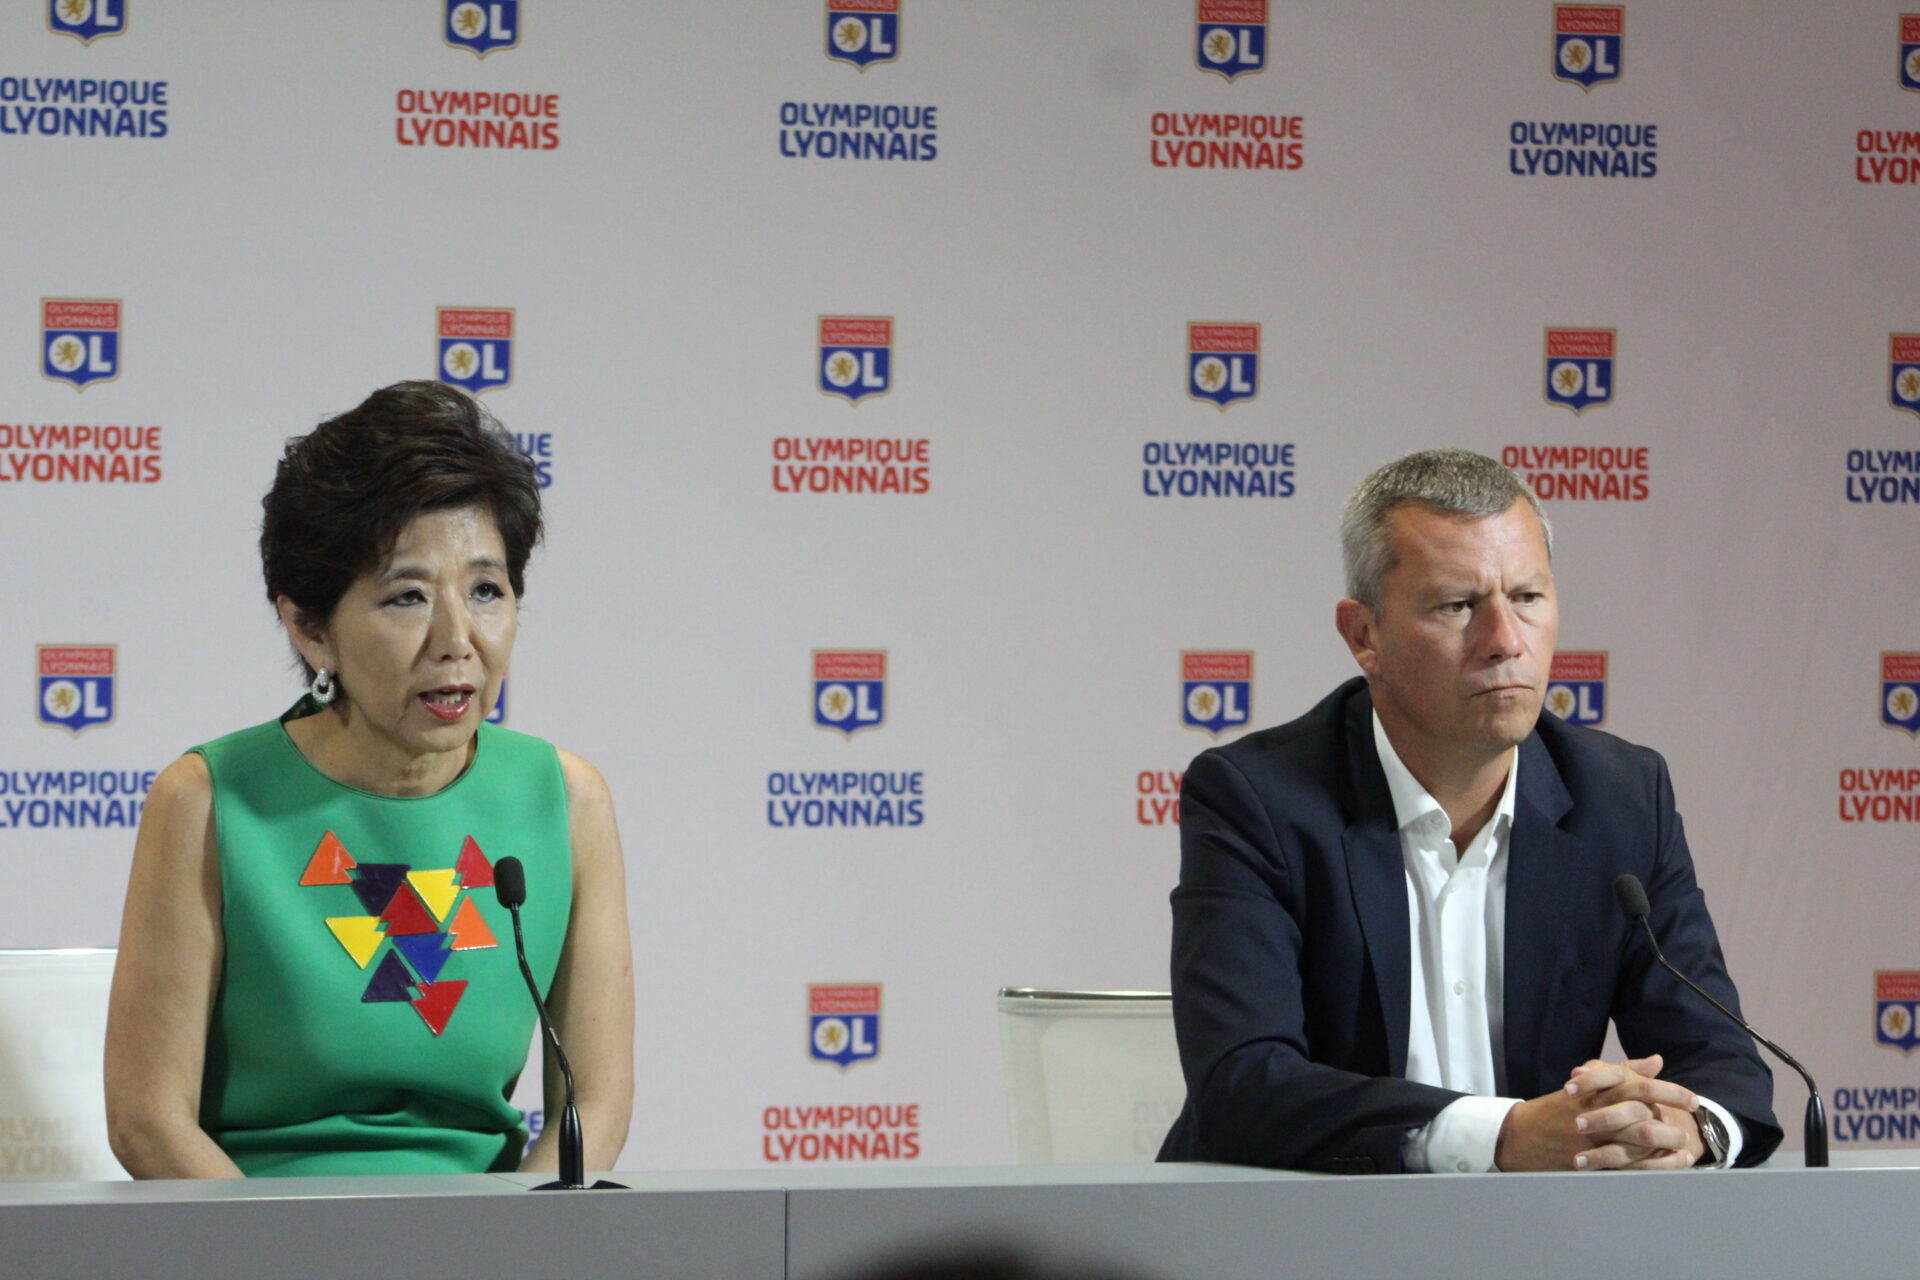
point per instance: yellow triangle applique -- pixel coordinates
(360, 935)
(436, 889)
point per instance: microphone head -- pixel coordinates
(510, 883)
(1627, 891)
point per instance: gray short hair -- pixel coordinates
(1451, 480)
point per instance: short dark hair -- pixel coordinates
(344, 491)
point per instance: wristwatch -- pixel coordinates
(1713, 1136)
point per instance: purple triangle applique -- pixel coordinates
(391, 981)
(376, 882)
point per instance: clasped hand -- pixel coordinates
(1609, 1115)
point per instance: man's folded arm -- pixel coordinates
(1254, 1094)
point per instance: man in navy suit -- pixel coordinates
(1395, 941)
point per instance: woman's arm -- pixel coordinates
(164, 982)
(592, 996)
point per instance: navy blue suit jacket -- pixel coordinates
(1291, 969)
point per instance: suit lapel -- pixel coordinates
(1377, 874)
(1539, 918)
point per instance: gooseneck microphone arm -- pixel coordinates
(510, 886)
(1632, 897)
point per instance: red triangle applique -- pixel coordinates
(469, 929)
(329, 863)
(474, 870)
(407, 914)
(436, 1002)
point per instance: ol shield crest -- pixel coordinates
(481, 27)
(1577, 688)
(856, 356)
(1589, 43)
(1903, 368)
(843, 1022)
(1910, 52)
(476, 347)
(87, 20)
(1223, 362)
(1579, 368)
(1900, 692)
(1896, 1005)
(1216, 689)
(76, 688)
(849, 689)
(80, 340)
(863, 32)
(1230, 36)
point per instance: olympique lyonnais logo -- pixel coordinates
(476, 347)
(1579, 368)
(76, 685)
(482, 28)
(849, 689)
(863, 32)
(1216, 689)
(856, 356)
(1896, 999)
(1230, 36)
(843, 1022)
(1223, 362)
(1588, 42)
(1577, 687)
(1910, 52)
(1903, 359)
(1900, 691)
(87, 20)
(80, 340)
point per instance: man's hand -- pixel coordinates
(1610, 1115)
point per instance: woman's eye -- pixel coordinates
(489, 591)
(410, 596)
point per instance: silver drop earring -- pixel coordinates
(324, 687)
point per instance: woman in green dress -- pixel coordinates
(315, 976)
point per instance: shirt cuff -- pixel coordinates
(1462, 1138)
(1735, 1138)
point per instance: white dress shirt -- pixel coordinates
(1456, 923)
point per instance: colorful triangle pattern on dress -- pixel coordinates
(391, 981)
(436, 889)
(407, 914)
(474, 870)
(426, 952)
(329, 864)
(360, 935)
(377, 882)
(469, 928)
(436, 1003)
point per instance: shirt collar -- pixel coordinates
(1411, 802)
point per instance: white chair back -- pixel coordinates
(1093, 1077)
(53, 1023)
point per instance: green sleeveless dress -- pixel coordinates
(371, 1016)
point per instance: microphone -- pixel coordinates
(1632, 897)
(510, 887)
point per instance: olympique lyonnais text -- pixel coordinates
(859, 131)
(457, 118)
(1216, 469)
(871, 1132)
(1884, 1112)
(1582, 149)
(851, 464)
(36, 798)
(1604, 473)
(1887, 155)
(1880, 795)
(1158, 803)
(1883, 475)
(62, 107)
(1209, 140)
(79, 454)
(847, 799)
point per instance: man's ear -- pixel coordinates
(310, 640)
(1355, 622)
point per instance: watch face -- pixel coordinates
(1713, 1137)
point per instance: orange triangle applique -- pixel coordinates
(436, 1002)
(469, 929)
(329, 863)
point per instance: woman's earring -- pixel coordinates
(324, 686)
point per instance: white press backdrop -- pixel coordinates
(281, 251)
